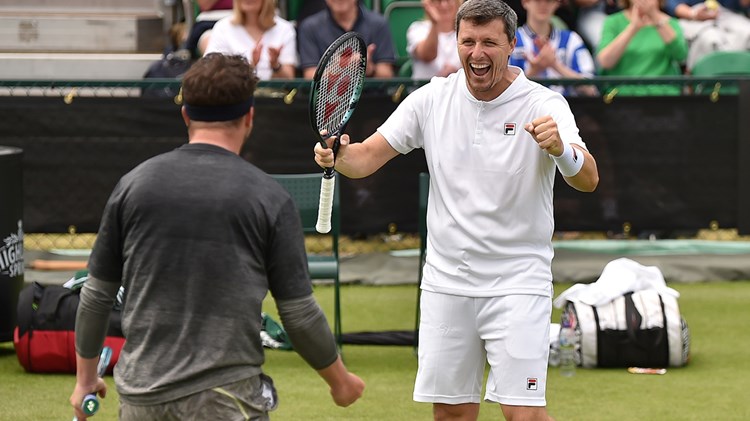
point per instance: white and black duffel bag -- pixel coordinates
(637, 329)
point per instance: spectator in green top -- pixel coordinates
(642, 41)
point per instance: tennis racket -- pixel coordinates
(90, 402)
(335, 92)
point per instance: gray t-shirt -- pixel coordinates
(197, 237)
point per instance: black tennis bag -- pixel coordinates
(44, 339)
(638, 329)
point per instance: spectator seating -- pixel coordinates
(400, 14)
(83, 39)
(724, 63)
(406, 68)
(384, 4)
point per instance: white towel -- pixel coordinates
(619, 276)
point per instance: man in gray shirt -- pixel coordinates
(197, 237)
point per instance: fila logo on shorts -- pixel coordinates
(510, 129)
(531, 383)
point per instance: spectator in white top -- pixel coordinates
(255, 32)
(431, 42)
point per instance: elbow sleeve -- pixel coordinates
(308, 330)
(92, 316)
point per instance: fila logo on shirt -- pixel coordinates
(531, 383)
(509, 129)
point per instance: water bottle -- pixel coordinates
(567, 348)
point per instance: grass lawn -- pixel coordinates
(714, 386)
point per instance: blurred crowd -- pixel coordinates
(556, 39)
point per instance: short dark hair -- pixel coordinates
(481, 12)
(217, 80)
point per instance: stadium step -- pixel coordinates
(83, 39)
(68, 32)
(75, 66)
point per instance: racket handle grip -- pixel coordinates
(90, 404)
(325, 206)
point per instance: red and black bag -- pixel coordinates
(45, 336)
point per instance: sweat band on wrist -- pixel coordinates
(570, 162)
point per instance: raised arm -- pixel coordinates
(441, 19)
(577, 165)
(609, 55)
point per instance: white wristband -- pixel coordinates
(570, 162)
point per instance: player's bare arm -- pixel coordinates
(584, 178)
(356, 160)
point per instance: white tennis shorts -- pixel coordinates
(457, 335)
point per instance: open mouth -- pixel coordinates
(480, 69)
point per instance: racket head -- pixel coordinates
(337, 85)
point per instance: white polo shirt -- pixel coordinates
(489, 216)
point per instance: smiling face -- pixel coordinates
(484, 49)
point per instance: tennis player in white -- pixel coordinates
(493, 140)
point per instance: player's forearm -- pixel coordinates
(335, 374)
(363, 159)
(308, 330)
(588, 177)
(346, 387)
(312, 339)
(86, 370)
(92, 316)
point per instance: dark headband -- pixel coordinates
(218, 112)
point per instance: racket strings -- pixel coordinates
(340, 84)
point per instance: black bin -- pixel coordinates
(11, 238)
